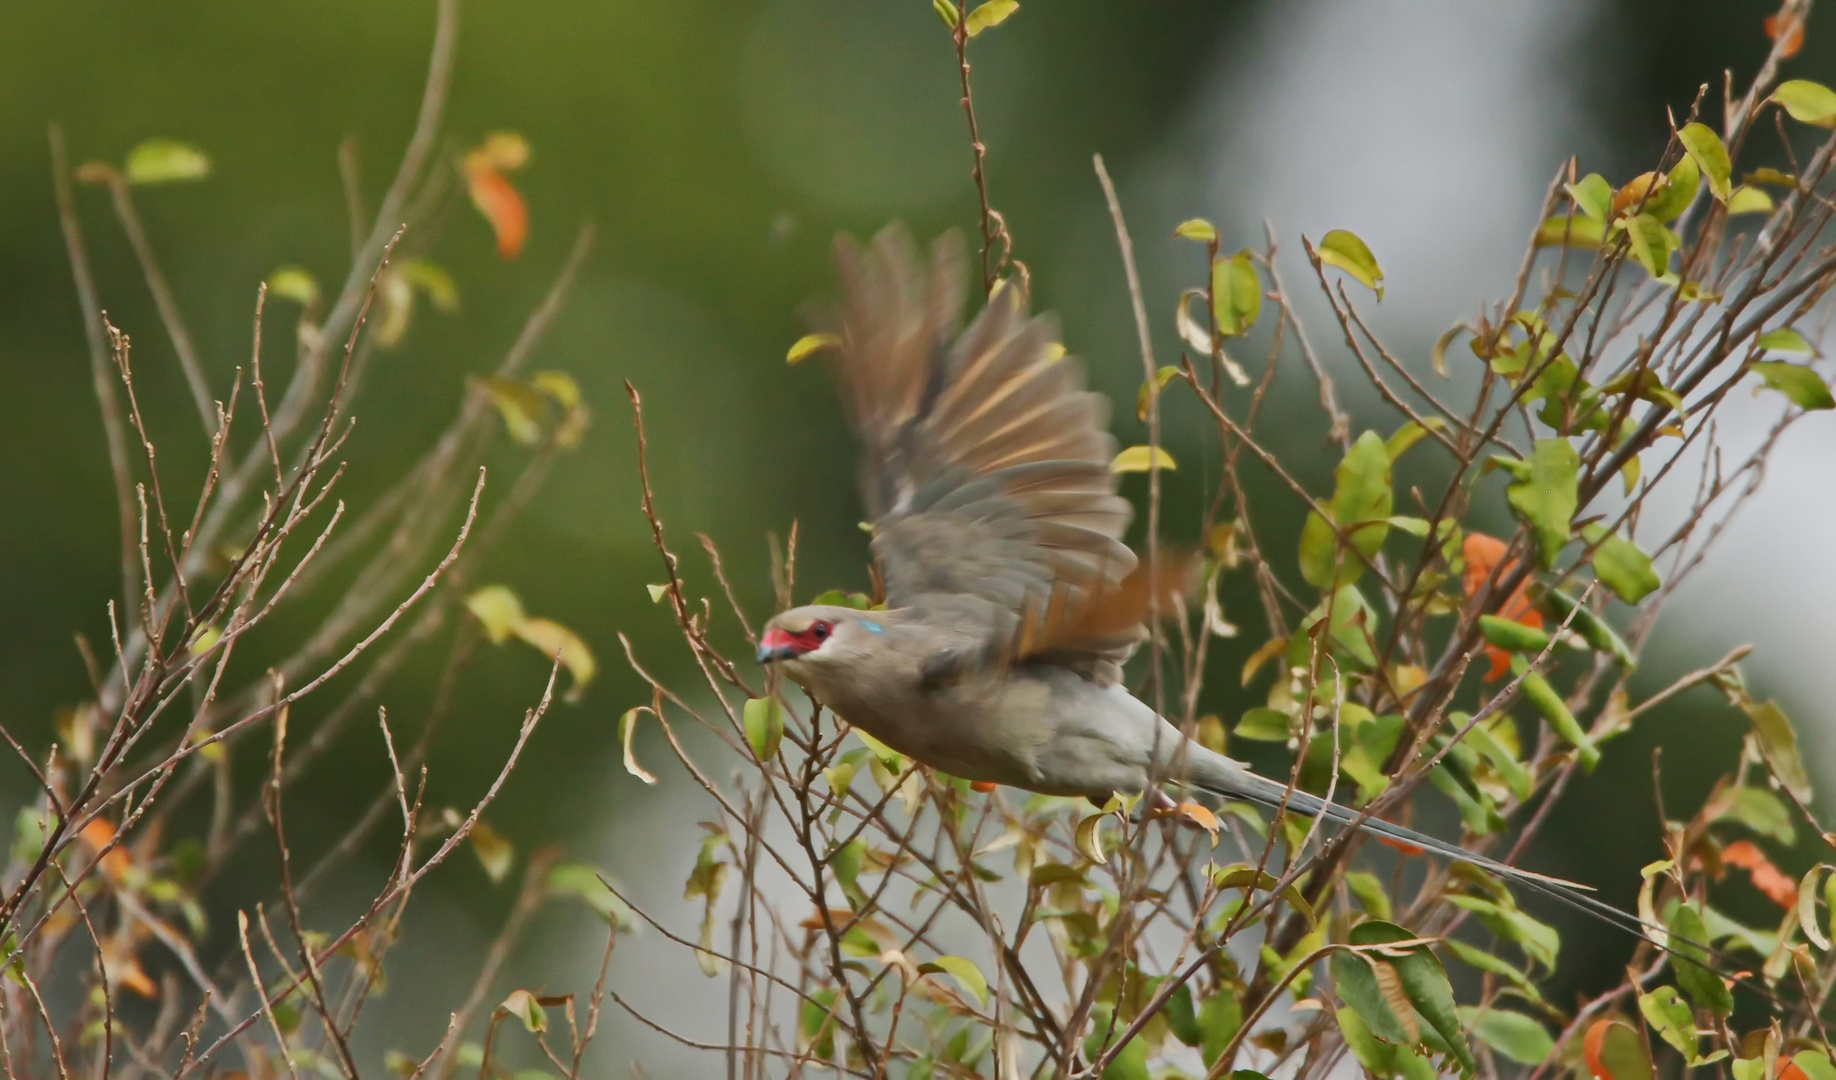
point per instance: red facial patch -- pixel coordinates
(798, 642)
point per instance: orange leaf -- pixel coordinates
(115, 864)
(1482, 553)
(1590, 1049)
(1788, 1070)
(1791, 29)
(1401, 845)
(983, 786)
(501, 204)
(1778, 888)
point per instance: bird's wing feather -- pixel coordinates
(986, 461)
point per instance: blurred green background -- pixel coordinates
(718, 145)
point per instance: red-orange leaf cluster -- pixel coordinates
(1791, 28)
(1482, 553)
(493, 194)
(1767, 878)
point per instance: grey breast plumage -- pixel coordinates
(985, 461)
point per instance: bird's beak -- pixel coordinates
(776, 645)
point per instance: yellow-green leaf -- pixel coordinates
(1786, 339)
(1197, 229)
(1804, 387)
(1620, 565)
(1142, 459)
(764, 723)
(1246, 877)
(946, 10)
(964, 971)
(498, 610)
(1151, 390)
(552, 639)
(584, 882)
(657, 592)
(810, 343)
(161, 161)
(1593, 196)
(495, 852)
(295, 284)
(1579, 231)
(992, 13)
(518, 403)
(1808, 102)
(558, 385)
(1343, 249)
(1748, 199)
(1089, 840)
(1711, 156)
(1678, 190)
(523, 1005)
(1650, 243)
(433, 280)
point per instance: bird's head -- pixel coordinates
(819, 635)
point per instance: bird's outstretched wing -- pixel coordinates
(985, 461)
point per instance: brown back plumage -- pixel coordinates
(986, 462)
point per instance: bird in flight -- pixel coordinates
(1011, 600)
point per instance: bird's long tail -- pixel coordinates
(1227, 779)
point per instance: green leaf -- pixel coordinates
(1678, 192)
(1748, 199)
(1425, 983)
(1804, 387)
(1262, 725)
(1622, 1052)
(1786, 339)
(1241, 876)
(1484, 961)
(1544, 495)
(964, 971)
(1151, 390)
(1539, 941)
(816, 1023)
(1780, 744)
(1565, 231)
(992, 13)
(519, 404)
(162, 161)
(1545, 700)
(1711, 156)
(764, 722)
(1650, 242)
(1236, 294)
(1361, 503)
(1620, 565)
(1130, 1062)
(1377, 1057)
(1141, 459)
(1197, 229)
(1370, 893)
(1512, 1034)
(1410, 434)
(1182, 1019)
(1593, 196)
(1346, 251)
(1645, 385)
(1808, 102)
(1593, 629)
(1354, 979)
(1672, 1018)
(1219, 1019)
(1688, 943)
(1814, 1064)
(1763, 812)
(1512, 636)
(946, 10)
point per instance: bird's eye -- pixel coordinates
(820, 630)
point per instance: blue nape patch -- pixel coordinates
(873, 626)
